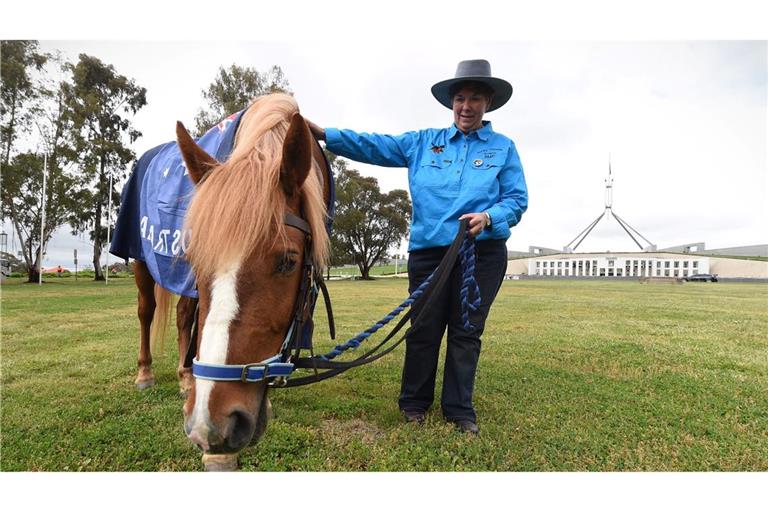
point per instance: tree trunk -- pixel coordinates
(98, 276)
(34, 269)
(34, 276)
(27, 254)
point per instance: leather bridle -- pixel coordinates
(277, 368)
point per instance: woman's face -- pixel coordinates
(468, 109)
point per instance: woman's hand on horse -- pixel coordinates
(318, 132)
(477, 222)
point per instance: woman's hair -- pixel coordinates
(478, 87)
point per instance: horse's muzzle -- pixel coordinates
(234, 433)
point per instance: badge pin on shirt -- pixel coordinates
(477, 163)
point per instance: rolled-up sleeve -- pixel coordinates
(371, 148)
(513, 192)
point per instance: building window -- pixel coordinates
(559, 264)
(685, 264)
(658, 272)
(666, 272)
(618, 272)
(677, 272)
(538, 264)
(677, 264)
(695, 264)
(666, 264)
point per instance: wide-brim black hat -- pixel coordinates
(477, 70)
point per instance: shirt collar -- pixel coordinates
(483, 133)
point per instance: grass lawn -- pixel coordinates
(573, 376)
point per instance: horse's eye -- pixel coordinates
(286, 264)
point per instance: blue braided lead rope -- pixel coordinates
(355, 342)
(469, 284)
(469, 287)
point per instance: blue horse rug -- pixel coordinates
(154, 202)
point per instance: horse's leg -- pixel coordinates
(146, 285)
(185, 317)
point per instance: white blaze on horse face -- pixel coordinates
(215, 341)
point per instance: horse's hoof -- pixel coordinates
(220, 462)
(141, 385)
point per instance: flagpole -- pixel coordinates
(42, 222)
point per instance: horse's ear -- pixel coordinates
(198, 162)
(297, 155)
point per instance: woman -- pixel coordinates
(464, 171)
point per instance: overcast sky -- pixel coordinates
(684, 123)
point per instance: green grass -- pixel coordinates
(573, 376)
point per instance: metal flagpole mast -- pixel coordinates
(42, 222)
(109, 222)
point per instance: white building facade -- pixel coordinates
(618, 265)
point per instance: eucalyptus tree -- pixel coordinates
(232, 90)
(33, 131)
(99, 103)
(368, 222)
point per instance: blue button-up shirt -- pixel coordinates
(449, 174)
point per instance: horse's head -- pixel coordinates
(248, 263)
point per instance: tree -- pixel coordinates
(18, 61)
(367, 222)
(233, 89)
(23, 202)
(99, 103)
(29, 99)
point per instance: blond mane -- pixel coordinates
(238, 208)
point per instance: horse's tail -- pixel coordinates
(159, 329)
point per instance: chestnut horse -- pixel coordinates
(246, 263)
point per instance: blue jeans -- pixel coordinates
(463, 346)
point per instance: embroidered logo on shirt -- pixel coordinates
(437, 149)
(477, 163)
(490, 153)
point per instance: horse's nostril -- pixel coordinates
(241, 427)
(197, 439)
